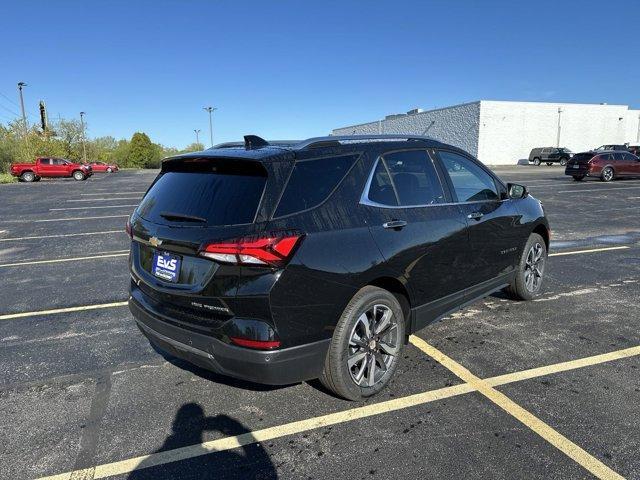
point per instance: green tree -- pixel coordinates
(141, 151)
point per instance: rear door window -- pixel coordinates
(470, 182)
(311, 182)
(405, 179)
(213, 193)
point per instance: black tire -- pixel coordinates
(37, 179)
(341, 378)
(563, 161)
(549, 164)
(607, 174)
(78, 175)
(28, 177)
(578, 178)
(536, 162)
(522, 288)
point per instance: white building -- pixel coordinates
(503, 133)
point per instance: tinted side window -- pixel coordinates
(470, 182)
(618, 156)
(414, 177)
(311, 182)
(406, 179)
(45, 161)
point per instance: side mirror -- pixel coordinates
(516, 191)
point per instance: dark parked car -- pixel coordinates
(603, 148)
(605, 165)
(283, 262)
(550, 155)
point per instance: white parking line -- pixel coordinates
(597, 189)
(69, 219)
(104, 199)
(105, 192)
(117, 253)
(130, 465)
(91, 207)
(61, 235)
(590, 250)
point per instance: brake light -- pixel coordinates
(274, 250)
(256, 344)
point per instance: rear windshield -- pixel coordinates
(218, 193)
(583, 156)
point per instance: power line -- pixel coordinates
(11, 101)
(9, 110)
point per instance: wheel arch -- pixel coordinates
(399, 290)
(543, 231)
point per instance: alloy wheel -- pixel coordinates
(373, 345)
(607, 174)
(534, 268)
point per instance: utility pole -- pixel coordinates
(84, 148)
(210, 110)
(24, 116)
(197, 130)
(559, 126)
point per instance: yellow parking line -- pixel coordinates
(10, 316)
(590, 250)
(227, 443)
(60, 235)
(563, 366)
(118, 253)
(555, 438)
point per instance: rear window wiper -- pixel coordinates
(181, 217)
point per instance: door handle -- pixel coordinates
(395, 224)
(475, 216)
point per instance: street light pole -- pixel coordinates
(210, 110)
(84, 148)
(24, 116)
(559, 127)
(197, 135)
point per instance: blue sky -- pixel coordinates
(294, 69)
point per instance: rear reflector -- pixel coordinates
(270, 251)
(256, 344)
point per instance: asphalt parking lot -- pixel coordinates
(501, 389)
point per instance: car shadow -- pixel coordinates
(188, 459)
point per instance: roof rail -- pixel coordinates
(334, 140)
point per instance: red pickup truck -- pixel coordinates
(50, 167)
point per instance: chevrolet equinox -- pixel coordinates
(278, 262)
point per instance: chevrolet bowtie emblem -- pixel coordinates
(155, 241)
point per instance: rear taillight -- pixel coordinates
(127, 227)
(256, 344)
(271, 251)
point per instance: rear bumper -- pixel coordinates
(274, 367)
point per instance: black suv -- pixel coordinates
(550, 155)
(287, 261)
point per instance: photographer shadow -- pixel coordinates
(185, 458)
